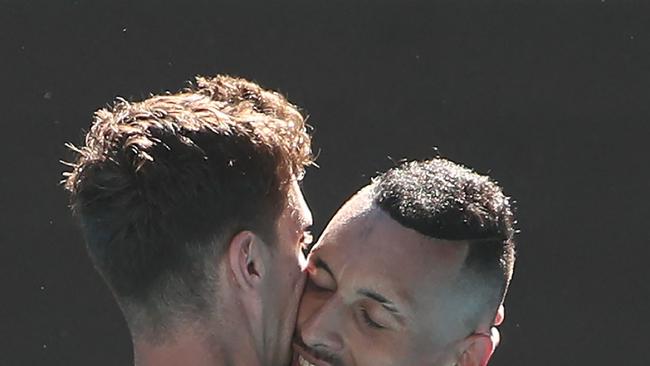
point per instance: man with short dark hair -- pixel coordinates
(190, 207)
(412, 270)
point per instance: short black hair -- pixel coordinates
(161, 184)
(444, 200)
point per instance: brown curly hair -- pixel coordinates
(160, 183)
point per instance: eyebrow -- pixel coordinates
(387, 304)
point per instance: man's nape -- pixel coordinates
(162, 188)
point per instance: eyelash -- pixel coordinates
(369, 321)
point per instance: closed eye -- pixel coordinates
(320, 275)
(313, 286)
(368, 320)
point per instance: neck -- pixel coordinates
(183, 349)
(191, 347)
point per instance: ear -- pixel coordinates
(246, 259)
(501, 314)
(477, 350)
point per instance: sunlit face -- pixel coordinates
(286, 279)
(378, 294)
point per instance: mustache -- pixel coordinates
(318, 353)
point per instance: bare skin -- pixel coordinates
(257, 294)
(382, 294)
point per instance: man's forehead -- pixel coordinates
(374, 232)
(374, 249)
(358, 206)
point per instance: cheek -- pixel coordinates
(293, 277)
(290, 255)
(299, 283)
(384, 347)
(382, 350)
(309, 305)
(287, 278)
(292, 250)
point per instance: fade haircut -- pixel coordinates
(161, 185)
(443, 200)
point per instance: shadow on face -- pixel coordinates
(285, 282)
(378, 293)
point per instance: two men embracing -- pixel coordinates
(191, 209)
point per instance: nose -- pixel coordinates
(322, 329)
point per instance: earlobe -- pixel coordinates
(478, 350)
(501, 313)
(245, 259)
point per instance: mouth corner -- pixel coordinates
(300, 361)
(301, 357)
(298, 358)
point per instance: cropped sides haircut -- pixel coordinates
(161, 185)
(444, 200)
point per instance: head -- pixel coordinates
(410, 271)
(175, 193)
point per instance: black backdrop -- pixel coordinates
(550, 98)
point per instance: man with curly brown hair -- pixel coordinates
(191, 211)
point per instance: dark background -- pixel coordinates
(550, 98)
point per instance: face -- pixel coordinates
(378, 294)
(287, 262)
